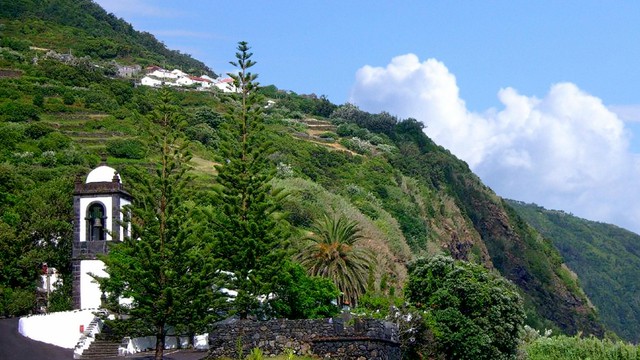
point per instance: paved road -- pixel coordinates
(14, 346)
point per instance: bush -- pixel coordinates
(16, 301)
(68, 99)
(38, 100)
(37, 130)
(202, 133)
(475, 314)
(568, 348)
(17, 112)
(54, 141)
(127, 148)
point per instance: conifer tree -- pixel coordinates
(250, 238)
(164, 268)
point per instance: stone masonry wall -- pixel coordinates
(328, 338)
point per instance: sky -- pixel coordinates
(540, 98)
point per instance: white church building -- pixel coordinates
(98, 219)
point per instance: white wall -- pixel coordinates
(60, 329)
(124, 203)
(89, 289)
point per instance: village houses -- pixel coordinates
(157, 76)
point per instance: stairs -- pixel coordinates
(101, 349)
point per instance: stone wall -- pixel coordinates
(329, 338)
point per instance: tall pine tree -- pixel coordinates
(164, 268)
(250, 238)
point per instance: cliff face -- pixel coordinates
(480, 226)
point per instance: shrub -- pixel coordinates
(357, 145)
(127, 148)
(68, 99)
(37, 130)
(475, 314)
(17, 112)
(38, 100)
(202, 133)
(54, 141)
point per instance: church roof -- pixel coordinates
(102, 173)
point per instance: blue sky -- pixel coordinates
(540, 98)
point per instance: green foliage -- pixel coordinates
(250, 238)
(202, 133)
(332, 253)
(53, 141)
(299, 296)
(17, 112)
(87, 29)
(569, 348)
(603, 256)
(165, 267)
(127, 148)
(16, 301)
(38, 100)
(255, 354)
(476, 314)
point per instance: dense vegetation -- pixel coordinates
(408, 196)
(83, 28)
(605, 259)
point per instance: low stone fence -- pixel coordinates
(330, 338)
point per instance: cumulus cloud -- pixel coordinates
(565, 151)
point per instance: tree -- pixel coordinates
(332, 253)
(250, 237)
(164, 268)
(300, 296)
(474, 313)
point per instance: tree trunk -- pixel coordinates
(159, 342)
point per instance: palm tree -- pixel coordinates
(331, 253)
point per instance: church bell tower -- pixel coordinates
(98, 219)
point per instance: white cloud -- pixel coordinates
(627, 112)
(564, 151)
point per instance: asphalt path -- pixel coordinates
(14, 346)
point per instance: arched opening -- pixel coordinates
(96, 222)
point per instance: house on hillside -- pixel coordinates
(184, 81)
(202, 82)
(127, 71)
(150, 81)
(226, 85)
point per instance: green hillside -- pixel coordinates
(410, 196)
(83, 28)
(605, 257)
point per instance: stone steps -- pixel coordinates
(101, 349)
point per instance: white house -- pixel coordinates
(149, 81)
(226, 85)
(185, 81)
(203, 82)
(179, 73)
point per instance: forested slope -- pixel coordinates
(606, 259)
(83, 28)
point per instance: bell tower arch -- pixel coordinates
(97, 203)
